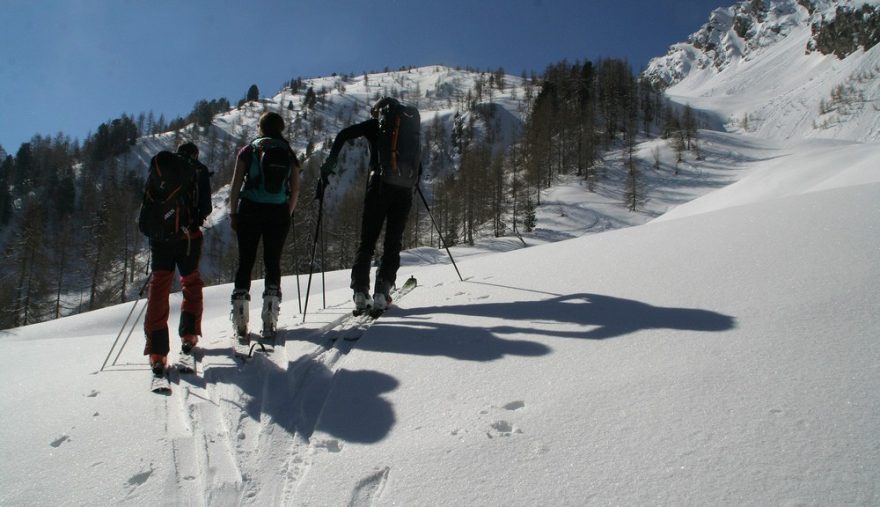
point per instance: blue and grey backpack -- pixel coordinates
(268, 176)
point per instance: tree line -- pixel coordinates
(67, 210)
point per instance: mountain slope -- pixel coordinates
(767, 81)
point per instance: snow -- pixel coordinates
(718, 348)
(723, 357)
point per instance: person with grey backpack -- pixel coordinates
(394, 136)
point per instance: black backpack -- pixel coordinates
(268, 175)
(168, 209)
(400, 146)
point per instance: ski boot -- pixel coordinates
(381, 298)
(362, 302)
(158, 363)
(188, 343)
(240, 314)
(271, 309)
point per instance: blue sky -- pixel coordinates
(69, 65)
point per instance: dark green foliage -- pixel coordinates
(310, 99)
(204, 111)
(6, 166)
(253, 93)
(111, 140)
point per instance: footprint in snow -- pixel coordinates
(60, 440)
(514, 405)
(93, 394)
(502, 429)
(137, 480)
(331, 445)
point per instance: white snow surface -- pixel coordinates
(725, 357)
(725, 353)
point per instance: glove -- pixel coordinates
(328, 168)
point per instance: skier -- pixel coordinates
(174, 243)
(393, 134)
(268, 171)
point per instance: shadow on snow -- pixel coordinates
(296, 398)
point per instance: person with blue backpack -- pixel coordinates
(394, 136)
(265, 186)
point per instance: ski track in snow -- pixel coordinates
(241, 432)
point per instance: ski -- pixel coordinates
(244, 348)
(352, 328)
(186, 363)
(160, 384)
(269, 337)
(409, 285)
(241, 346)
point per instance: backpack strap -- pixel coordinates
(395, 134)
(253, 175)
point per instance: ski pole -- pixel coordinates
(122, 330)
(296, 262)
(130, 331)
(319, 194)
(428, 209)
(323, 263)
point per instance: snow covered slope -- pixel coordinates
(722, 358)
(761, 77)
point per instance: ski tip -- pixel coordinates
(161, 385)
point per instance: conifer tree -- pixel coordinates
(253, 93)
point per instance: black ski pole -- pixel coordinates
(296, 261)
(428, 209)
(319, 194)
(122, 330)
(323, 273)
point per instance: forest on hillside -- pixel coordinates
(68, 208)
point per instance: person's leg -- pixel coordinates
(191, 286)
(371, 227)
(400, 202)
(156, 319)
(248, 241)
(248, 233)
(274, 236)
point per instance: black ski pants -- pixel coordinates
(256, 221)
(386, 205)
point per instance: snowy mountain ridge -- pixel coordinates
(756, 63)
